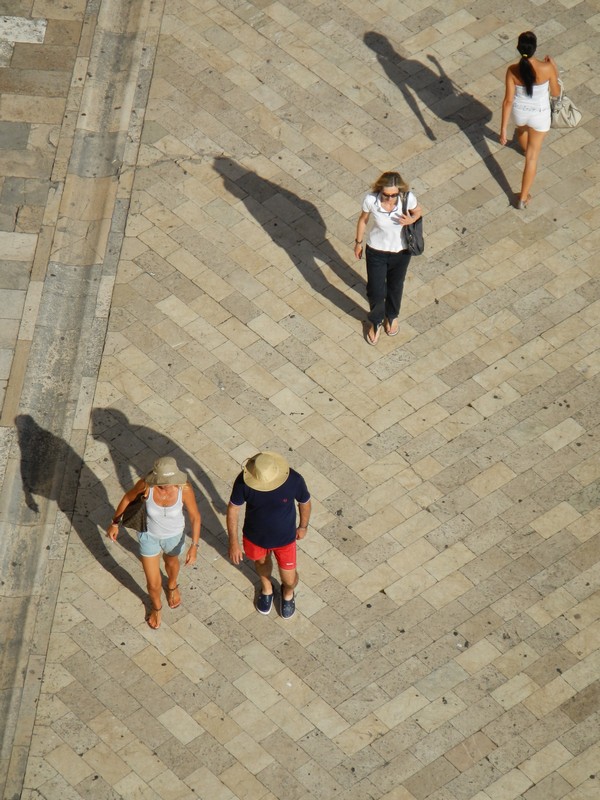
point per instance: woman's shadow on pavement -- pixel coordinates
(51, 468)
(133, 450)
(297, 227)
(443, 97)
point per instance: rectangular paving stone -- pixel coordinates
(427, 780)
(69, 764)
(35, 81)
(14, 135)
(43, 56)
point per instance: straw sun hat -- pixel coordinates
(166, 473)
(265, 471)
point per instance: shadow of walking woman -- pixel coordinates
(297, 227)
(443, 98)
(51, 468)
(133, 450)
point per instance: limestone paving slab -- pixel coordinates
(446, 640)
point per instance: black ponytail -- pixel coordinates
(527, 46)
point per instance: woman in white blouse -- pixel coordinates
(386, 250)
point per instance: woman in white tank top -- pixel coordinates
(167, 492)
(527, 100)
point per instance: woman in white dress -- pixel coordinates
(529, 84)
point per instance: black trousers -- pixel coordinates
(385, 282)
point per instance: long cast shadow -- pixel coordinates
(51, 468)
(443, 97)
(297, 227)
(133, 450)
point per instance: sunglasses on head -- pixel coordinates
(390, 196)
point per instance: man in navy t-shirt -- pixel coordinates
(270, 490)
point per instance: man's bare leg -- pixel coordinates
(289, 581)
(264, 569)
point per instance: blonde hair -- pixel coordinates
(390, 179)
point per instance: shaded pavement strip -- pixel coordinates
(99, 142)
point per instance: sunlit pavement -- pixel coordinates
(181, 188)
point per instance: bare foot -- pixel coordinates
(173, 597)
(154, 618)
(391, 326)
(373, 334)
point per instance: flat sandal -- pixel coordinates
(377, 332)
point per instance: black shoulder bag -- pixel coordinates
(414, 232)
(134, 516)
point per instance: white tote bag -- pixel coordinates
(565, 113)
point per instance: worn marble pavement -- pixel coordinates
(447, 634)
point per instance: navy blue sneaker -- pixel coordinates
(288, 607)
(264, 603)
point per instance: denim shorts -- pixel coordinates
(151, 546)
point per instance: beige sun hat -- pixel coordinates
(265, 471)
(166, 473)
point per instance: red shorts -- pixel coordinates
(285, 556)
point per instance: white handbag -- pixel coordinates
(565, 113)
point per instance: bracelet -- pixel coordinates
(357, 242)
(194, 544)
(117, 521)
(302, 527)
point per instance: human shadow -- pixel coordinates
(133, 450)
(51, 468)
(297, 227)
(443, 97)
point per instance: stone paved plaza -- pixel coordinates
(181, 183)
